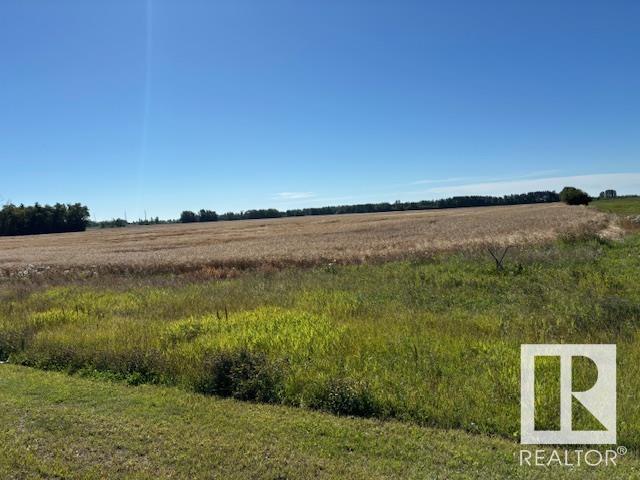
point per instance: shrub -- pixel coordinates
(344, 396)
(574, 196)
(241, 374)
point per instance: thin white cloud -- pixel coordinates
(444, 180)
(317, 201)
(324, 201)
(539, 173)
(293, 195)
(624, 183)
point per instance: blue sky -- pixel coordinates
(169, 105)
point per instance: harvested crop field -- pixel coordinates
(295, 241)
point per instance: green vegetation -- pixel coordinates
(433, 343)
(574, 196)
(29, 220)
(121, 222)
(620, 205)
(55, 426)
(187, 216)
(114, 223)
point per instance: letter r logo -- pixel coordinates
(600, 399)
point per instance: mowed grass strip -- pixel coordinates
(58, 426)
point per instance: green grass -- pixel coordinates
(56, 426)
(620, 206)
(431, 343)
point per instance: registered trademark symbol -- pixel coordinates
(622, 450)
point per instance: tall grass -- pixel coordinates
(431, 342)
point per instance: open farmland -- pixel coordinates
(299, 241)
(433, 342)
(425, 344)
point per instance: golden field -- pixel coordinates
(220, 246)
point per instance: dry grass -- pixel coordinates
(216, 248)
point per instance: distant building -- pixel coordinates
(608, 194)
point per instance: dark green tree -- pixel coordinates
(207, 216)
(188, 216)
(574, 196)
(36, 219)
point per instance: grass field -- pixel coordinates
(218, 248)
(431, 342)
(619, 206)
(424, 349)
(56, 426)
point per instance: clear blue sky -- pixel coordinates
(228, 105)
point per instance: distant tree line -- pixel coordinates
(33, 219)
(453, 202)
(150, 221)
(121, 222)
(113, 223)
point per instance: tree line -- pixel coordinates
(121, 222)
(189, 216)
(34, 219)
